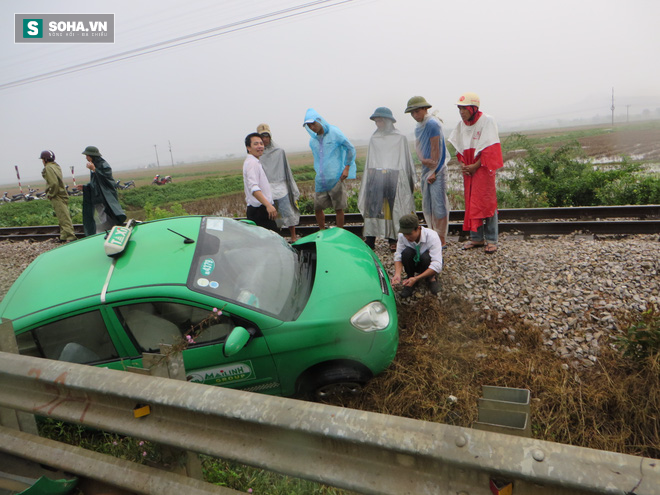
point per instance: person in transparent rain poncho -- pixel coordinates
(282, 184)
(433, 153)
(388, 181)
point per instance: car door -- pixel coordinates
(82, 338)
(201, 335)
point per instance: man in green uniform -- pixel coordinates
(56, 193)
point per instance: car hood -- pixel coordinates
(347, 276)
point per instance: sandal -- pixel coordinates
(472, 244)
(490, 248)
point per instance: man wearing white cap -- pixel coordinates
(478, 149)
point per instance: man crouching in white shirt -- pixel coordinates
(258, 195)
(418, 250)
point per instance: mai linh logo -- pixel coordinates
(33, 28)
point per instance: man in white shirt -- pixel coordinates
(258, 195)
(418, 250)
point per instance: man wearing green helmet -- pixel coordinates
(101, 208)
(434, 155)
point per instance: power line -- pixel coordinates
(184, 40)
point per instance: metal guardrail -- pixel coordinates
(120, 473)
(361, 451)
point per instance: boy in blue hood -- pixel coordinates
(334, 162)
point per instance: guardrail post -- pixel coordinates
(9, 417)
(169, 364)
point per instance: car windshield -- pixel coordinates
(254, 267)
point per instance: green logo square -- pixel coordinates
(33, 28)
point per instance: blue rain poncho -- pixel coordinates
(332, 152)
(388, 182)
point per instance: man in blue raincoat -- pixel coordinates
(334, 162)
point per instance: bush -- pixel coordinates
(562, 177)
(151, 213)
(642, 338)
(37, 212)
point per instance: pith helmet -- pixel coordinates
(91, 151)
(417, 102)
(469, 100)
(383, 112)
(264, 129)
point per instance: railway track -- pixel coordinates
(599, 220)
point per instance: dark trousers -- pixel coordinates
(408, 261)
(259, 215)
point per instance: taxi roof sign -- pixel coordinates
(117, 239)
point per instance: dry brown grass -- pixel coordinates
(448, 349)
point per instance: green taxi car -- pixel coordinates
(307, 320)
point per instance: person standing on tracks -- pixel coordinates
(56, 193)
(434, 155)
(101, 208)
(478, 149)
(334, 162)
(418, 251)
(388, 181)
(258, 195)
(282, 184)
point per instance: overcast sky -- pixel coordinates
(528, 61)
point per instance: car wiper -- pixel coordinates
(186, 240)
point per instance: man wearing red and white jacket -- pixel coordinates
(477, 144)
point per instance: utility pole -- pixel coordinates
(627, 114)
(612, 107)
(171, 157)
(157, 161)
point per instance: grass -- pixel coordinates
(449, 349)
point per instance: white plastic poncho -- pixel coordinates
(282, 183)
(388, 182)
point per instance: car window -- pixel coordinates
(82, 339)
(252, 267)
(161, 322)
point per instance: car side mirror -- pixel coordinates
(237, 339)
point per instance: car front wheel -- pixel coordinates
(335, 381)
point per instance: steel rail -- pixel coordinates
(519, 220)
(577, 212)
(355, 450)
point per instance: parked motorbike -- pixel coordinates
(17, 197)
(5, 198)
(73, 192)
(125, 185)
(32, 194)
(158, 180)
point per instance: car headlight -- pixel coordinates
(373, 316)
